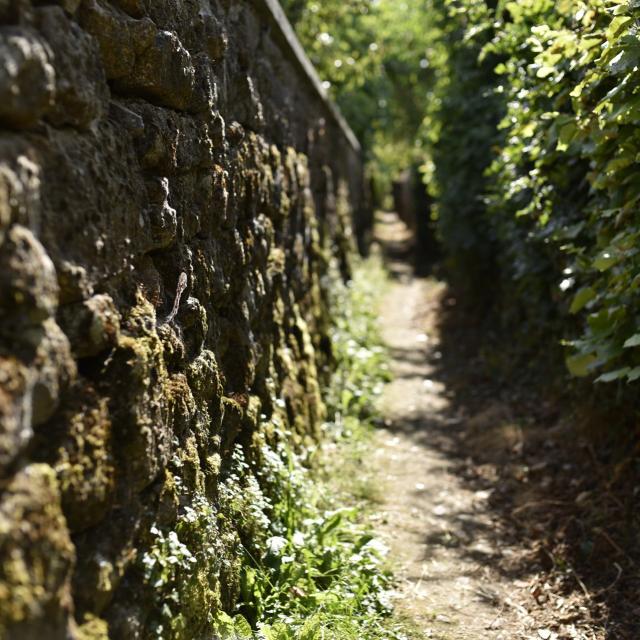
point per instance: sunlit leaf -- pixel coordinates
(581, 299)
(633, 341)
(612, 376)
(604, 261)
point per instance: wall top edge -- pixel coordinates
(287, 35)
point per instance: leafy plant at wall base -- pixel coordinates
(319, 572)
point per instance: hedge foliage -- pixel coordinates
(533, 152)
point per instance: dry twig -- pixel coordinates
(182, 285)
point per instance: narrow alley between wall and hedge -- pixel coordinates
(319, 320)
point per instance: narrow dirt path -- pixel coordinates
(434, 525)
(459, 511)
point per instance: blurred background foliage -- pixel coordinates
(373, 58)
(523, 118)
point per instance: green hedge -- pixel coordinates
(548, 197)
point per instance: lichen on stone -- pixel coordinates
(38, 557)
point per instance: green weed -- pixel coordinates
(321, 573)
(304, 565)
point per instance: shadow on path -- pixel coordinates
(505, 522)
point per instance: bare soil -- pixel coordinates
(502, 521)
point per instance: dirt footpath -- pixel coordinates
(435, 526)
(463, 571)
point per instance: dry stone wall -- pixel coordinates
(174, 194)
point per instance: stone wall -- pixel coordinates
(174, 193)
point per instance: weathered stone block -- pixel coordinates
(81, 87)
(247, 106)
(28, 285)
(140, 404)
(134, 8)
(232, 417)
(16, 409)
(38, 557)
(120, 38)
(13, 11)
(95, 195)
(162, 217)
(91, 326)
(163, 72)
(80, 447)
(55, 369)
(19, 190)
(203, 375)
(27, 78)
(129, 120)
(215, 37)
(205, 85)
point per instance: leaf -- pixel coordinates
(578, 365)
(603, 323)
(633, 341)
(545, 71)
(612, 376)
(616, 26)
(582, 299)
(223, 625)
(619, 163)
(633, 375)
(267, 632)
(332, 523)
(567, 134)
(604, 261)
(242, 628)
(570, 232)
(624, 61)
